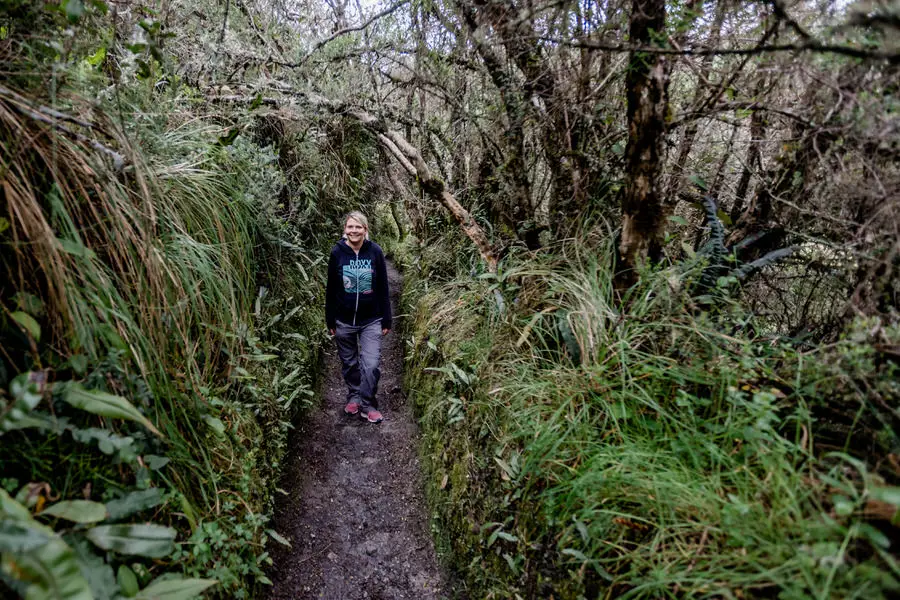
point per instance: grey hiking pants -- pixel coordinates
(359, 348)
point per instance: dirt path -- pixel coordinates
(354, 510)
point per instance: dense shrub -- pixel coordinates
(579, 449)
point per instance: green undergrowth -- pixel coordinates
(160, 325)
(578, 450)
(162, 265)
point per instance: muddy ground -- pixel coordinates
(354, 509)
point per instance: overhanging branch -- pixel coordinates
(410, 158)
(809, 46)
(319, 45)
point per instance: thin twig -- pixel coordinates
(810, 46)
(347, 30)
(224, 21)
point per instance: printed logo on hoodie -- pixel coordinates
(357, 276)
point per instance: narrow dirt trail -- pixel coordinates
(354, 510)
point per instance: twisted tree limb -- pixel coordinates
(409, 157)
(319, 45)
(411, 160)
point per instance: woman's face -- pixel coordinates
(355, 231)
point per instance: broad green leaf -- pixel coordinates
(51, 568)
(155, 463)
(575, 554)
(76, 248)
(699, 182)
(582, 531)
(79, 363)
(74, 9)
(724, 217)
(511, 562)
(12, 421)
(175, 589)
(26, 389)
(27, 323)
(77, 511)
(128, 583)
(16, 537)
(874, 535)
(100, 576)
(215, 424)
(134, 502)
(97, 57)
(29, 303)
(507, 473)
(891, 495)
(152, 541)
(11, 509)
(106, 405)
(843, 506)
(278, 537)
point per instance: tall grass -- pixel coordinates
(642, 449)
(141, 277)
(169, 253)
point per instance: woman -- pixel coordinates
(358, 313)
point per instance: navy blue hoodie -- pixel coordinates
(357, 289)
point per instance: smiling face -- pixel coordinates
(355, 232)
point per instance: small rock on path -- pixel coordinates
(354, 510)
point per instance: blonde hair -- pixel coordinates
(360, 218)
(357, 216)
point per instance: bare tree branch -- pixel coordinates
(727, 106)
(810, 46)
(409, 157)
(390, 9)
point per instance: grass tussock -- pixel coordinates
(161, 279)
(583, 450)
(131, 263)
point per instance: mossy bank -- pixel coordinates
(578, 449)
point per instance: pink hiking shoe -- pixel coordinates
(373, 416)
(352, 408)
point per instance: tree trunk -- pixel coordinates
(548, 105)
(753, 158)
(518, 208)
(690, 130)
(396, 202)
(646, 87)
